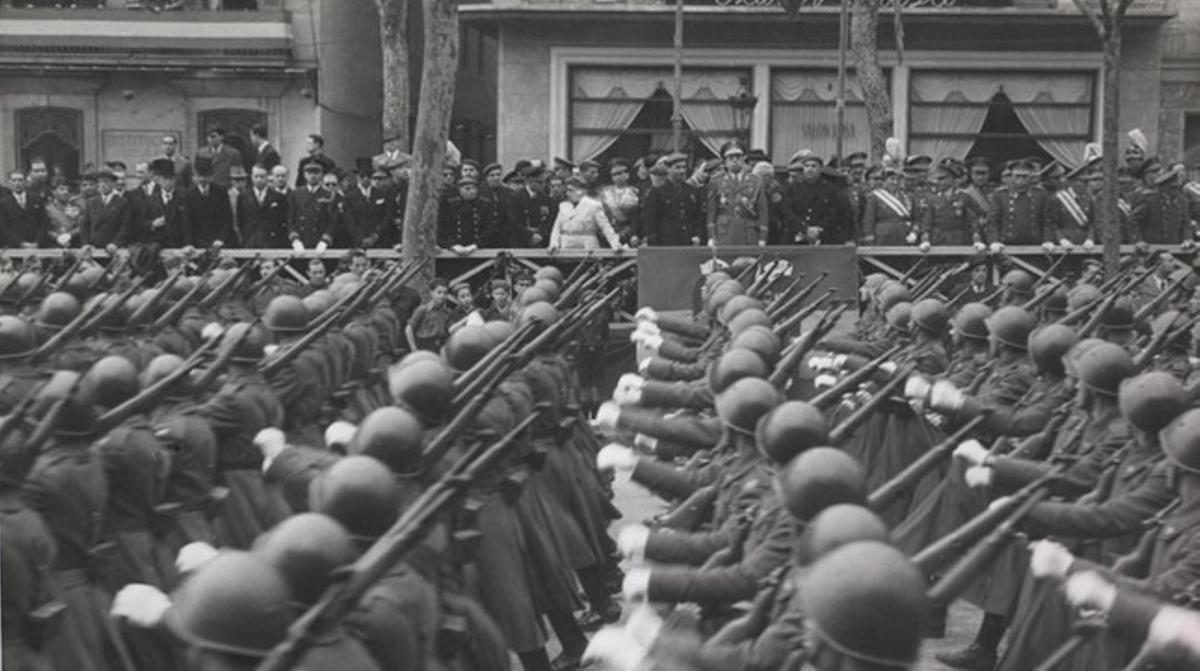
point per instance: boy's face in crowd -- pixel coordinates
(438, 295)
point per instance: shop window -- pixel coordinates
(1001, 115)
(54, 134)
(1191, 138)
(626, 112)
(804, 114)
(237, 124)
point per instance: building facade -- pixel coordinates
(88, 83)
(1001, 78)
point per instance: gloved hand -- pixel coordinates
(63, 239)
(194, 555)
(925, 246)
(650, 342)
(888, 367)
(631, 541)
(971, 451)
(321, 247)
(629, 389)
(911, 238)
(340, 434)
(636, 584)
(1066, 244)
(270, 350)
(979, 246)
(297, 246)
(916, 387)
(616, 457)
(943, 395)
(824, 381)
(978, 476)
(650, 328)
(1049, 560)
(997, 247)
(1048, 246)
(606, 416)
(141, 605)
(1088, 245)
(270, 442)
(646, 314)
(1090, 590)
(1174, 627)
(212, 330)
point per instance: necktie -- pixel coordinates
(21, 200)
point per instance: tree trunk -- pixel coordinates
(1109, 222)
(433, 129)
(864, 44)
(393, 38)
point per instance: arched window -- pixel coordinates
(237, 124)
(54, 134)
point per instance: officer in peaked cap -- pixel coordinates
(737, 203)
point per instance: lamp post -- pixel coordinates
(677, 90)
(743, 103)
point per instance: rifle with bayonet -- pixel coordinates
(800, 315)
(150, 306)
(180, 306)
(69, 273)
(784, 295)
(227, 285)
(903, 482)
(1154, 303)
(155, 393)
(225, 355)
(112, 304)
(791, 303)
(851, 381)
(940, 281)
(842, 431)
(791, 356)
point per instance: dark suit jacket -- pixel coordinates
(366, 217)
(22, 224)
(176, 230)
(672, 214)
(308, 215)
(104, 224)
(224, 158)
(139, 209)
(210, 216)
(534, 214)
(263, 224)
(266, 156)
(325, 162)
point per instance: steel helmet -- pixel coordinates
(790, 429)
(549, 273)
(931, 314)
(392, 435)
(747, 318)
(1055, 304)
(248, 347)
(466, 346)
(891, 293)
(360, 493)
(112, 381)
(57, 310)
(237, 603)
(286, 314)
(733, 366)
(1102, 368)
(758, 339)
(316, 303)
(499, 330)
(547, 287)
(971, 321)
(1018, 282)
(541, 313)
(735, 305)
(1048, 345)
(838, 525)
(899, 316)
(17, 339)
(1011, 326)
(78, 416)
(424, 387)
(1118, 316)
(1151, 400)
(306, 548)
(534, 294)
(1081, 295)
(160, 367)
(867, 601)
(1181, 440)
(818, 478)
(744, 402)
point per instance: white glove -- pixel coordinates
(194, 555)
(629, 390)
(888, 367)
(943, 395)
(616, 457)
(270, 350)
(321, 247)
(218, 244)
(820, 362)
(297, 245)
(650, 328)
(971, 451)
(1049, 560)
(141, 605)
(63, 239)
(652, 342)
(1173, 627)
(824, 381)
(606, 416)
(916, 387)
(978, 476)
(270, 442)
(631, 541)
(1066, 244)
(911, 238)
(643, 366)
(979, 246)
(646, 314)
(211, 330)
(340, 433)
(1089, 590)
(1088, 245)
(1048, 246)
(636, 584)
(613, 648)
(648, 443)
(631, 380)
(997, 247)
(1000, 502)
(925, 246)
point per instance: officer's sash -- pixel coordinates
(1066, 198)
(893, 203)
(1193, 188)
(976, 195)
(1124, 206)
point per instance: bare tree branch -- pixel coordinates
(1122, 6)
(1090, 12)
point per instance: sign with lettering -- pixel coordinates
(133, 146)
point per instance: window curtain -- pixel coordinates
(1043, 120)
(956, 119)
(813, 125)
(705, 97)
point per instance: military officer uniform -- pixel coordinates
(737, 205)
(945, 219)
(1017, 216)
(308, 215)
(672, 215)
(887, 218)
(465, 222)
(1159, 216)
